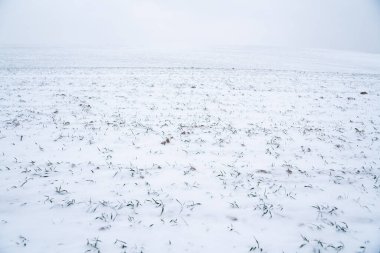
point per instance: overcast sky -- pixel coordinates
(337, 24)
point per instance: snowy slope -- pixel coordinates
(259, 150)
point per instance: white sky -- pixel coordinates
(337, 24)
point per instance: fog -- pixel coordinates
(333, 24)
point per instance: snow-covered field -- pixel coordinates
(252, 151)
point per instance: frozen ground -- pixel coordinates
(251, 151)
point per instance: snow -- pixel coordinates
(249, 150)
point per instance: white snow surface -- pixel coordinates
(246, 150)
